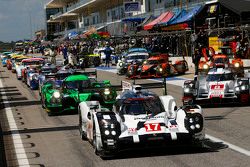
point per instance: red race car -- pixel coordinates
(156, 67)
(32, 62)
(221, 61)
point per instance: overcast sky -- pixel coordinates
(18, 18)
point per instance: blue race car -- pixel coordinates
(32, 78)
(4, 59)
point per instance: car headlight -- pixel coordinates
(244, 87)
(186, 90)
(160, 69)
(106, 132)
(120, 64)
(57, 95)
(194, 123)
(192, 127)
(237, 65)
(237, 89)
(191, 120)
(113, 132)
(205, 67)
(197, 126)
(106, 91)
(112, 126)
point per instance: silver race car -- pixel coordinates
(220, 85)
(140, 118)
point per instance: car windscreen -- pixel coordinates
(79, 85)
(33, 63)
(136, 57)
(48, 70)
(144, 106)
(18, 60)
(56, 84)
(220, 77)
(150, 62)
(221, 60)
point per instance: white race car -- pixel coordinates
(134, 57)
(140, 118)
(220, 85)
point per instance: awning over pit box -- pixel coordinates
(164, 17)
(181, 21)
(133, 19)
(146, 21)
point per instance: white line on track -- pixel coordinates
(180, 83)
(17, 141)
(232, 146)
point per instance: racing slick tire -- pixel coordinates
(50, 114)
(82, 134)
(98, 151)
(17, 77)
(42, 102)
(94, 143)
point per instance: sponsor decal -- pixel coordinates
(132, 130)
(173, 128)
(126, 86)
(148, 117)
(217, 91)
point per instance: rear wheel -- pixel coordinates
(82, 134)
(50, 113)
(95, 142)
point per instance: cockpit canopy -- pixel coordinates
(138, 106)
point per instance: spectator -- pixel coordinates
(108, 52)
(65, 54)
(52, 54)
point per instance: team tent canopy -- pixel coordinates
(147, 20)
(164, 17)
(182, 21)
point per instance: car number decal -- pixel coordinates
(217, 91)
(217, 87)
(152, 127)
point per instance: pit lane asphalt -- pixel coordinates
(55, 141)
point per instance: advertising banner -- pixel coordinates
(215, 43)
(132, 7)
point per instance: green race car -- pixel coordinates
(61, 96)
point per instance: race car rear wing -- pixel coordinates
(59, 76)
(128, 86)
(89, 73)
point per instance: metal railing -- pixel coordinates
(57, 14)
(66, 31)
(80, 3)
